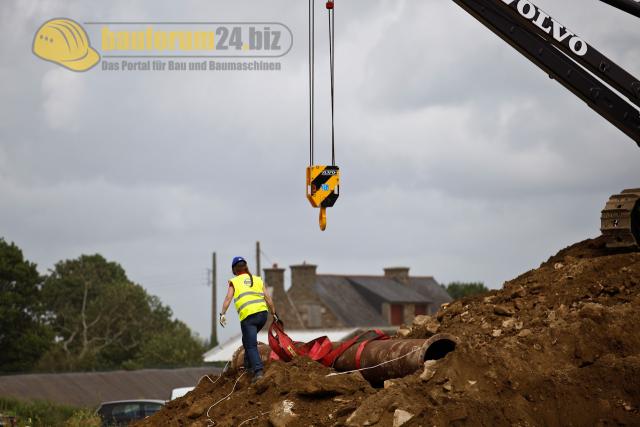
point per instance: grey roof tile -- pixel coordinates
(348, 305)
(355, 299)
(431, 289)
(91, 388)
(389, 290)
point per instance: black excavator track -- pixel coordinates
(620, 220)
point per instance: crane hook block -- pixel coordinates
(323, 189)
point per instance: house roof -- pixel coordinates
(430, 289)
(91, 388)
(388, 289)
(346, 303)
(351, 298)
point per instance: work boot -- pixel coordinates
(256, 377)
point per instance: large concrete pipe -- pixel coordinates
(402, 356)
(397, 357)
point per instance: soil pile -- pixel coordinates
(557, 346)
(294, 393)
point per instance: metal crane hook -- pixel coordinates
(323, 218)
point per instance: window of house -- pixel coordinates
(396, 314)
(420, 309)
(314, 316)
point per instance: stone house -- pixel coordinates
(321, 301)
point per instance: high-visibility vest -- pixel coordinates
(248, 299)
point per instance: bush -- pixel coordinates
(37, 413)
(458, 290)
(84, 418)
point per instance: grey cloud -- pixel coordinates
(459, 158)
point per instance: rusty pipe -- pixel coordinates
(404, 356)
(376, 352)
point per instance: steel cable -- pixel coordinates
(311, 79)
(332, 27)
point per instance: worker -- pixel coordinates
(252, 304)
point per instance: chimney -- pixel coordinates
(400, 274)
(274, 278)
(303, 276)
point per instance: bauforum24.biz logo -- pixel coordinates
(163, 46)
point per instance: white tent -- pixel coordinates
(224, 352)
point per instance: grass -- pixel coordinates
(40, 413)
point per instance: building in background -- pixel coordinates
(341, 306)
(332, 301)
(88, 389)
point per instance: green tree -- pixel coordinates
(23, 335)
(102, 320)
(94, 309)
(458, 290)
(174, 346)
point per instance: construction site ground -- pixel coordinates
(557, 346)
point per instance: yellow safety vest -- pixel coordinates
(248, 299)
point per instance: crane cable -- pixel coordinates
(311, 78)
(331, 16)
(332, 27)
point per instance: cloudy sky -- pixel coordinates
(459, 158)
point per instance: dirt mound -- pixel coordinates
(557, 346)
(590, 248)
(299, 390)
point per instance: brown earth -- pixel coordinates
(557, 346)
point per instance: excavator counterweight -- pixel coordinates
(620, 220)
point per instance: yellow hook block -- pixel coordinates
(323, 189)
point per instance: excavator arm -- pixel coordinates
(629, 6)
(565, 57)
(603, 85)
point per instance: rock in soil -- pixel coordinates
(401, 417)
(429, 370)
(282, 414)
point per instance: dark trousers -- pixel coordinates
(250, 327)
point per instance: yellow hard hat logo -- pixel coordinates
(65, 42)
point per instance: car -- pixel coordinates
(123, 412)
(180, 391)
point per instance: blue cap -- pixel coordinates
(237, 260)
